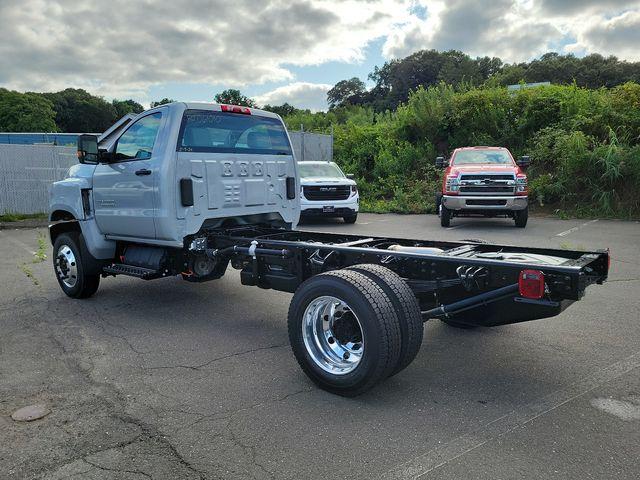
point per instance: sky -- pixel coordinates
(278, 51)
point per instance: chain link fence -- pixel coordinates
(26, 171)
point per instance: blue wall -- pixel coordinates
(64, 139)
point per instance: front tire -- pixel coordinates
(521, 217)
(69, 268)
(445, 216)
(344, 332)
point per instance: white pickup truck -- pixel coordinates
(327, 192)
(187, 189)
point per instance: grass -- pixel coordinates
(16, 217)
(40, 254)
(29, 273)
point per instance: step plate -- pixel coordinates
(132, 271)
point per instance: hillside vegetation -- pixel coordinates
(584, 144)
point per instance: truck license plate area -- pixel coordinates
(328, 209)
(483, 201)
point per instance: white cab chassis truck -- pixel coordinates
(189, 189)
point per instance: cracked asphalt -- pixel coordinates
(172, 380)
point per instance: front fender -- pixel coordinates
(66, 196)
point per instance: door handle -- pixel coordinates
(143, 171)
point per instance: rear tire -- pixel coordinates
(445, 216)
(406, 306)
(69, 267)
(344, 332)
(350, 218)
(521, 217)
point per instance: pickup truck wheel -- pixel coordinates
(350, 218)
(406, 306)
(521, 217)
(344, 332)
(69, 269)
(445, 216)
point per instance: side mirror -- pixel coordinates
(351, 176)
(88, 149)
(524, 161)
(440, 162)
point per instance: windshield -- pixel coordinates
(319, 170)
(473, 157)
(222, 132)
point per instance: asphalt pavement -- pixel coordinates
(170, 380)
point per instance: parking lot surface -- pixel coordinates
(170, 380)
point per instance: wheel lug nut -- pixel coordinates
(326, 318)
(346, 355)
(331, 340)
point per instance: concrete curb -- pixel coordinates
(29, 223)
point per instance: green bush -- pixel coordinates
(584, 144)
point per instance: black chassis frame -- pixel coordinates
(450, 285)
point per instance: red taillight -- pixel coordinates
(531, 284)
(235, 109)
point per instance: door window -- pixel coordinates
(137, 142)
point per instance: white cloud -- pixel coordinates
(519, 30)
(618, 36)
(123, 47)
(299, 94)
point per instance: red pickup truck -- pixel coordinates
(484, 181)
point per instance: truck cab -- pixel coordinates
(483, 181)
(161, 177)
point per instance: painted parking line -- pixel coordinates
(423, 465)
(575, 229)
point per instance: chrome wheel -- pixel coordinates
(66, 266)
(333, 335)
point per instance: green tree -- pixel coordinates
(346, 92)
(78, 111)
(164, 101)
(26, 112)
(123, 107)
(284, 110)
(232, 96)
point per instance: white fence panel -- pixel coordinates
(26, 171)
(312, 146)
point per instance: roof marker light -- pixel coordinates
(235, 109)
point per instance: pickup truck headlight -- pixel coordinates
(522, 185)
(452, 184)
(354, 189)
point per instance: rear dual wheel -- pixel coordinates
(348, 328)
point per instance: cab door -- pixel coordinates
(123, 189)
